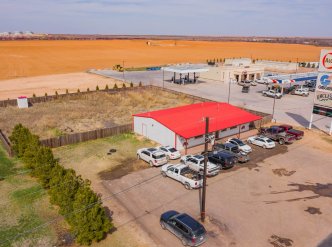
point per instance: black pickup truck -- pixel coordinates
(234, 149)
(222, 158)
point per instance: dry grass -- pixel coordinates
(88, 112)
(32, 58)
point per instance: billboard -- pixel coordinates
(324, 82)
(323, 99)
(325, 61)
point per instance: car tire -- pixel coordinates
(138, 157)
(163, 225)
(264, 146)
(167, 157)
(187, 186)
(150, 163)
(164, 174)
(184, 242)
(249, 141)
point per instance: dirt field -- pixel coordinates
(32, 58)
(88, 112)
(40, 85)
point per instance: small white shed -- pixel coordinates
(22, 102)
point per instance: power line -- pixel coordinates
(78, 210)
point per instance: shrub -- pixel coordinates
(140, 84)
(56, 93)
(45, 94)
(115, 86)
(123, 85)
(131, 84)
(97, 88)
(106, 87)
(34, 95)
(78, 90)
(88, 90)
(67, 91)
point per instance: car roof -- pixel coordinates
(198, 156)
(189, 221)
(235, 139)
(158, 152)
(231, 145)
(151, 149)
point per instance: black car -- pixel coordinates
(224, 159)
(189, 230)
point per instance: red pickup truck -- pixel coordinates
(298, 134)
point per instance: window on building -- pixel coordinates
(234, 127)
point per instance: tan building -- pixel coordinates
(234, 73)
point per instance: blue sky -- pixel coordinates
(175, 17)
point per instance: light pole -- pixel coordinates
(205, 168)
(274, 103)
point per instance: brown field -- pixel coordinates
(33, 58)
(87, 112)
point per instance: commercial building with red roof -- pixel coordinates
(184, 126)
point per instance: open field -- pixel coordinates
(87, 112)
(24, 205)
(39, 85)
(33, 58)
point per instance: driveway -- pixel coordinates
(284, 201)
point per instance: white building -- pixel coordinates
(184, 127)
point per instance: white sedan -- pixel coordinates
(261, 141)
(241, 145)
(171, 153)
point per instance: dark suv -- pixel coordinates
(190, 231)
(222, 158)
(234, 149)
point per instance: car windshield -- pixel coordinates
(158, 156)
(172, 150)
(238, 141)
(269, 141)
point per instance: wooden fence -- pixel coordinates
(6, 144)
(86, 136)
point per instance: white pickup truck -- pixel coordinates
(272, 93)
(301, 92)
(182, 173)
(196, 162)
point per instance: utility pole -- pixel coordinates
(123, 69)
(205, 168)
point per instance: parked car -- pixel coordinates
(245, 89)
(241, 145)
(223, 159)
(301, 92)
(187, 229)
(298, 134)
(183, 174)
(277, 134)
(171, 153)
(196, 163)
(261, 141)
(262, 81)
(152, 155)
(234, 149)
(272, 93)
(253, 83)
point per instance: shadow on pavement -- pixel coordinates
(327, 242)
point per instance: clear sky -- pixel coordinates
(174, 17)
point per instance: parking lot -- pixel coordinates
(282, 198)
(291, 109)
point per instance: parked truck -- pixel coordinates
(196, 163)
(241, 156)
(183, 174)
(277, 134)
(298, 134)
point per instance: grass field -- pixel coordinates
(32, 58)
(88, 112)
(24, 205)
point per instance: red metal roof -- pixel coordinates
(188, 121)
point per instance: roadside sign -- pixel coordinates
(325, 61)
(324, 82)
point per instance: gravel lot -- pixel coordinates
(284, 201)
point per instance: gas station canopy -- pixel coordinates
(186, 68)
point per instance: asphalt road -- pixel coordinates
(291, 109)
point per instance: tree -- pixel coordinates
(106, 87)
(78, 90)
(123, 85)
(97, 88)
(308, 65)
(131, 84)
(45, 94)
(88, 90)
(140, 84)
(304, 64)
(56, 93)
(67, 91)
(34, 95)
(89, 221)
(115, 86)
(313, 65)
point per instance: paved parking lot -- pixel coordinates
(284, 199)
(290, 109)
